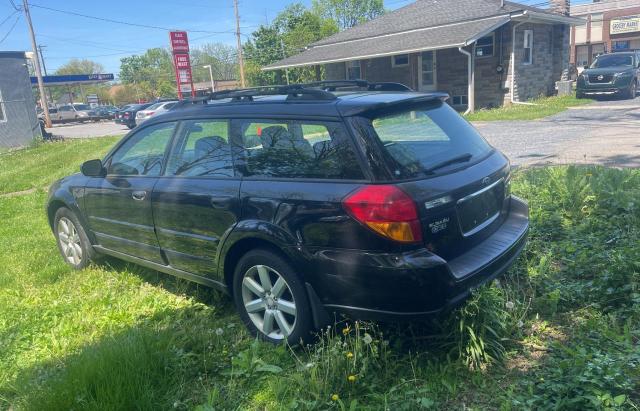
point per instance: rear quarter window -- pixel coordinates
(428, 139)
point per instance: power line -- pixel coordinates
(9, 17)
(16, 8)
(127, 23)
(10, 29)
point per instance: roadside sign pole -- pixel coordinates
(36, 59)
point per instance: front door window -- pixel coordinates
(427, 70)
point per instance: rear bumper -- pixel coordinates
(416, 285)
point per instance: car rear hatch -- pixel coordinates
(461, 209)
(458, 182)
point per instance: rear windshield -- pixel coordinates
(428, 140)
(81, 107)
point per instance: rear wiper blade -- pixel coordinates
(462, 158)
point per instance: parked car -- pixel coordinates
(611, 74)
(127, 116)
(154, 110)
(73, 112)
(106, 112)
(372, 201)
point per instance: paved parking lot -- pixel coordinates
(606, 132)
(84, 130)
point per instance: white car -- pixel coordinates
(73, 112)
(154, 110)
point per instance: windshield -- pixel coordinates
(79, 107)
(612, 60)
(429, 139)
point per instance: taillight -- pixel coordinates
(387, 210)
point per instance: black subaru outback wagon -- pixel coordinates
(301, 202)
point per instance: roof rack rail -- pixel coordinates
(316, 91)
(334, 85)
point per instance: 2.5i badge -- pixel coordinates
(439, 225)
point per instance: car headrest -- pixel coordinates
(206, 145)
(272, 135)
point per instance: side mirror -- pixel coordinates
(93, 168)
(585, 67)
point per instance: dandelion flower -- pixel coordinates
(346, 330)
(219, 331)
(367, 338)
(510, 305)
(335, 397)
(349, 354)
(520, 324)
(351, 378)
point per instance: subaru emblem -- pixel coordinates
(486, 180)
(600, 77)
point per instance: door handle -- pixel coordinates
(139, 195)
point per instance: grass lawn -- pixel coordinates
(544, 107)
(561, 330)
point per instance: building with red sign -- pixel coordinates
(608, 25)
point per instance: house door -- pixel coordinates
(427, 78)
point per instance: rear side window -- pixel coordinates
(202, 150)
(295, 149)
(427, 140)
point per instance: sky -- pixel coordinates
(65, 36)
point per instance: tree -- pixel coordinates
(76, 66)
(348, 13)
(221, 57)
(151, 74)
(290, 32)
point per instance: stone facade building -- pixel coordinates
(462, 47)
(607, 26)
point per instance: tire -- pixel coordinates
(286, 309)
(130, 126)
(77, 251)
(633, 89)
(579, 95)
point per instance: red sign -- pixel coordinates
(180, 49)
(179, 42)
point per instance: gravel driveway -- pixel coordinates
(606, 132)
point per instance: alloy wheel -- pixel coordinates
(69, 240)
(269, 302)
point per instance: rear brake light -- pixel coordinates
(387, 210)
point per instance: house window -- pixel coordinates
(484, 46)
(353, 70)
(621, 45)
(596, 50)
(582, 56)
(3, 113)
(527, 57)
(596, 27)
(580, 36)
(400, 60)
(459, 101)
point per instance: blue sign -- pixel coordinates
(74, 79)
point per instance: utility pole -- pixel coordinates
(240, 59)
(36, 59)
(44, 67)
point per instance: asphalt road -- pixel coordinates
(88, 130)
(606, 132)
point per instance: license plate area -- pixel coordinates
(478, 210)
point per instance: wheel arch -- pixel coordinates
(240, 248)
